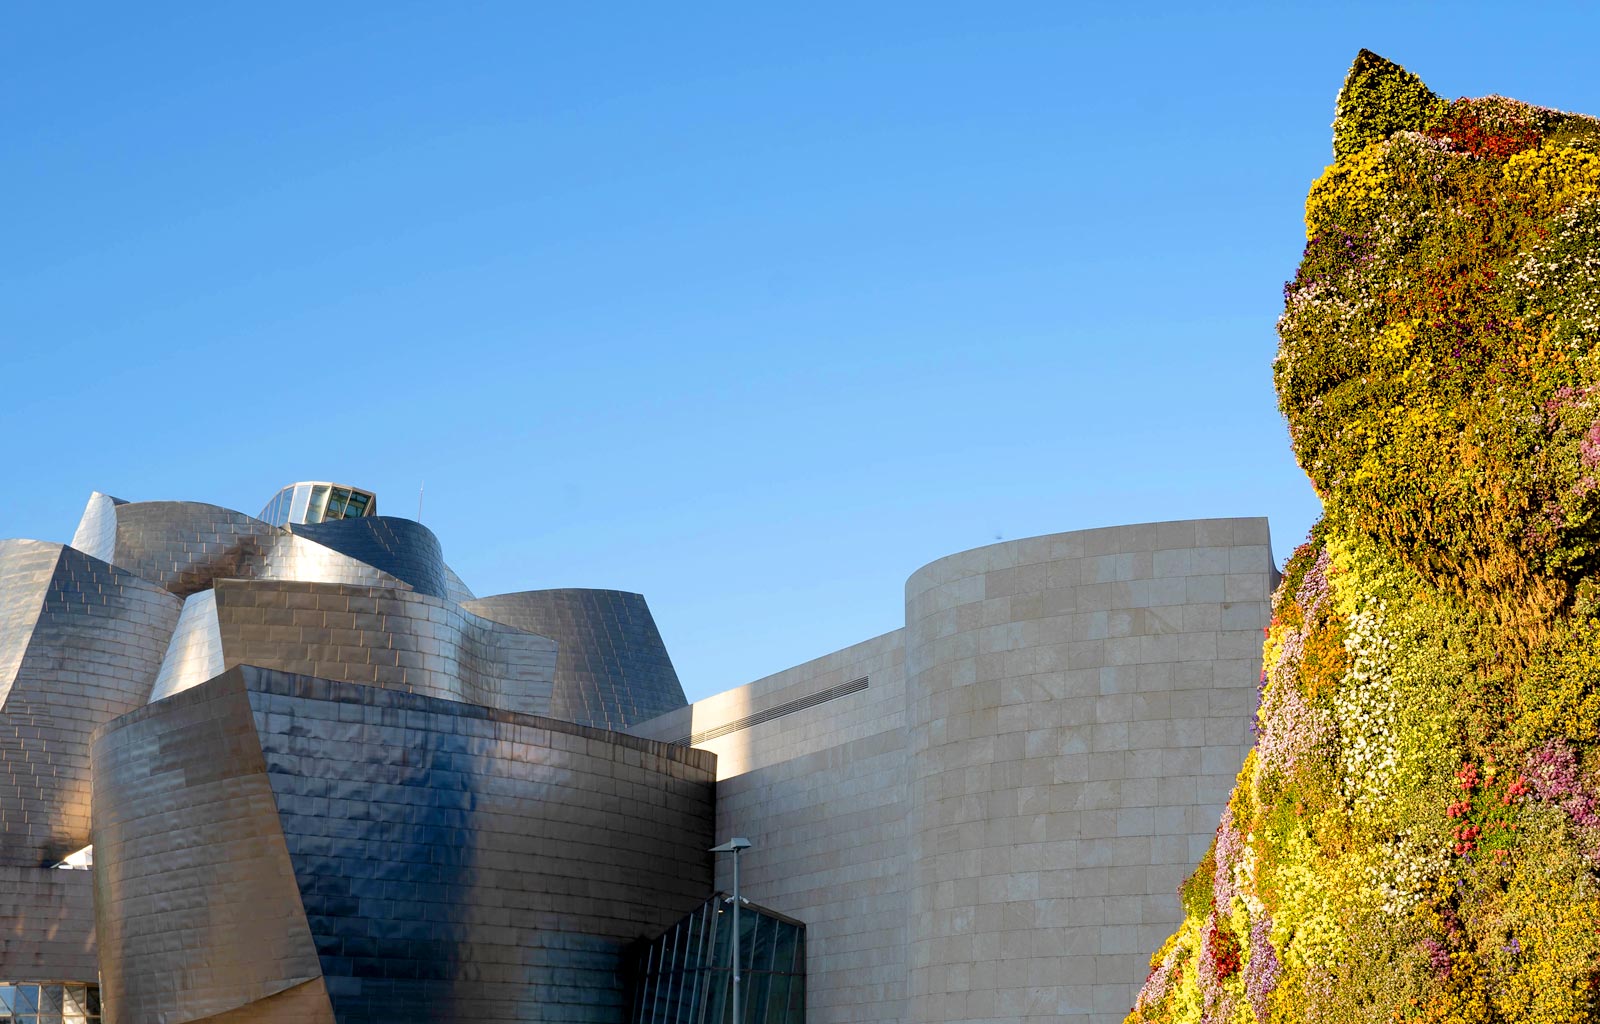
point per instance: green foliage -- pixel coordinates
(1416, 835)
(1379, 98)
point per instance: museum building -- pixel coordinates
(290, 768)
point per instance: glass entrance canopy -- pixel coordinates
(317, 501)
(685, 976)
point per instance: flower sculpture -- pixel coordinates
(1416, 836)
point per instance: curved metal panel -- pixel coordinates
(97, 529)
(404, 549)
(25, 570)
(191, 867)
(93, 653)
(396, 639)
(612, 669)
(453, 863)
(195, 652)
(49, 925)
(186, 546)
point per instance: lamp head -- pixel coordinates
(733, 845)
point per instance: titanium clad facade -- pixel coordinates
(80, 643)
(197, 908)
(612, 669)
(186, 546)
(378, 636)
(92, 653)
(194, 654)
(96, 535)
(404, 549)
(453, 862)
(49, 925)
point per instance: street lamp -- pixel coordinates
(734, 846)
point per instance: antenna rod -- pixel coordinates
(419, 499)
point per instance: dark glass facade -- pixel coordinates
(686, 975)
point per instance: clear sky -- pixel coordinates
(752, 310)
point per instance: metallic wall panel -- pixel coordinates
(612, 670)
(48, 932)
(455, 863)
(195, 651)
(186, 546)
(97, 529)
(25, 570)
(396, 639)
(404, 549)
(196, 904)
(93, 654)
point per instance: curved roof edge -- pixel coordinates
(1102, 540)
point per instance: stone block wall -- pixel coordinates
(994, 827)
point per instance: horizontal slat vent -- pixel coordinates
(788, 707)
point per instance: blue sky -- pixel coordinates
(753, 311)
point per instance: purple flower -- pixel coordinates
(1438, 957)
(1553, 772)
(1589, 447)
(1229, 845)
(1261, 971)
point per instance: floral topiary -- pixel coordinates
(1416, 836)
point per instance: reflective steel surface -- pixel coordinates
(194, 654)
(454, 862)
(405, 550)
(397, 639)
(92, 653)
(97, 529)
(612, 670)
(395, 840)
(185, 546)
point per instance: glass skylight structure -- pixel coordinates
(685, 976)
(312, 501)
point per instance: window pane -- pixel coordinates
(319, 502)
(717, 1009)
(747, 937)
(27, 999)
(783, 956)
(778, 1000)
(722, 937)
(766, 935)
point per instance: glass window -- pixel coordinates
(299, 498)
(783, 953)
(685, 976)
(75, 1007)
(319, 502)
(778, 1000)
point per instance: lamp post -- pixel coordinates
(734, 846)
